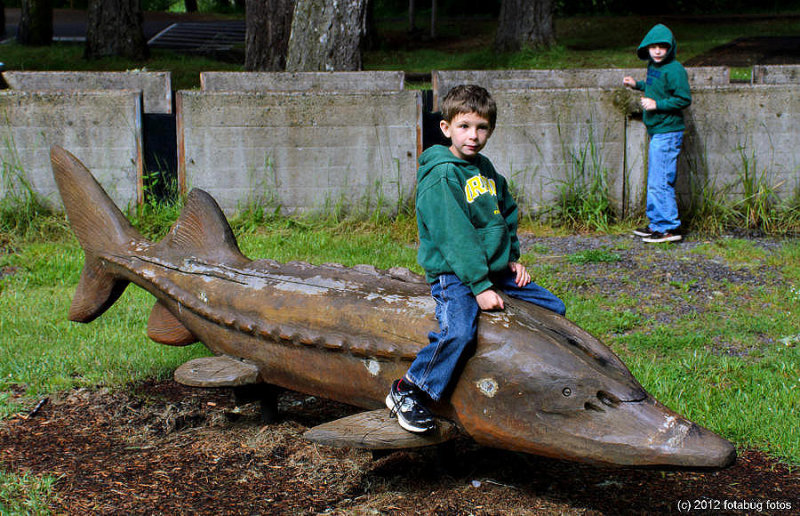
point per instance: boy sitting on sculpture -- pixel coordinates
(467, 222)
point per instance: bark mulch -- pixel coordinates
(161, 448)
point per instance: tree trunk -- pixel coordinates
(434, 16)
(2, 20)
(268, 25)
(35, 22)
(412, 16)
(525, 23)
(326, 36)
(115, 29)
(190, 5)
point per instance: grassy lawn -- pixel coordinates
(466, 44)
(733, 366)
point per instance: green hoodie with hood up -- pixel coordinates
(466, 217)
(667, 83)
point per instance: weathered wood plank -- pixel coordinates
(376, 430)
(220, 371)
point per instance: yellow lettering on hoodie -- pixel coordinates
(478, 185)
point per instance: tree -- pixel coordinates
(2, 20)
(35, 22)
(326, 36)
(190, 5)
(269, 23)
(525, 23)
(115, 29)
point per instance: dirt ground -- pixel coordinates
(161, 448)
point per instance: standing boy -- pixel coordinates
(467, 222)
(666, 93)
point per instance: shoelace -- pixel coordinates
(400, 404)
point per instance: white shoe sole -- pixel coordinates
(673, 238)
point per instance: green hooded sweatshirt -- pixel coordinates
(667, 84)
(466, 217)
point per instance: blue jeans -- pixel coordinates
(457, 312)
(662, 165)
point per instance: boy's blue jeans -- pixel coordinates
(662, 165)
(457, 312)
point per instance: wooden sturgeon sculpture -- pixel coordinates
(536, 383)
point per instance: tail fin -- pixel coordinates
(100, 227)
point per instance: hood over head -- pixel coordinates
(658, 34)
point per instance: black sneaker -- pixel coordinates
(404, 402)
(643, 232)
(657, 237)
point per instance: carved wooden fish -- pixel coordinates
(536, 382)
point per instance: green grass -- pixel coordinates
(25, 494)
(593, 256)
(582, 42)
(185, 69)
(734, 368)
(463, 43)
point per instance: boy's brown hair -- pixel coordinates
(469, 98)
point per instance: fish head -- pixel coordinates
(538, 383)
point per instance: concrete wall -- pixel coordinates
(314, 149)
(737, 128)
(156, 87)
(776, 74)
(103, 129)
(302, 81)
(495, 80)
(545, 139)
(299, 150)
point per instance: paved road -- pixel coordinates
(177, 31)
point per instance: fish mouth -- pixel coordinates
(642, 433)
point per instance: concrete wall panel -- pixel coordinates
(103, 129)
(743, 128)
(302, 81)
(495, 80)
(547, 138)
(776, 74)
(156, 87)
(299, 150)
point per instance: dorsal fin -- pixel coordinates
(165, 328)
(202, 231)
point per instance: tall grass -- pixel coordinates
(758, 207)
(751, 202)
(583, 201)
(21, 211)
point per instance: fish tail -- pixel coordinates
(100, 227)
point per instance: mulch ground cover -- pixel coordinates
(161, 448)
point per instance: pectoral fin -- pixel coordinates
(220, 371)
(377, 430)
(165, 328)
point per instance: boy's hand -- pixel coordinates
(648, 104)
(489, 300)
(523, 277)
(629, 81)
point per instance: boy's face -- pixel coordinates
(658, 51)
(468, 133)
